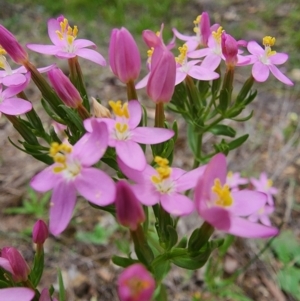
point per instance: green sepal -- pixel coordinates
(216, 83)
(182, 243)
(172, 237)
(35, 121)
(191, 138)
(222, 147)
(123, 261)
(223, 100)
(61, 287)
(49, 111)
(179, 96)
(203, 87)
(237, 142)
(244, 118)
(73, 117)
(37, 269)
(250, 98)
(200, 237)
(245, 90)
(160, 267)
(222, 129)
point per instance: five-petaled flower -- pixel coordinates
(63, 36)
(226, 210)
(72, 172)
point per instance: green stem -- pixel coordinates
(159, 115)
(131, 91)
(198, 150)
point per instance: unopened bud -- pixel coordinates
(40, 232)
(99, 110)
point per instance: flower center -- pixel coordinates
(66, 165)
(137, 286)
(268, 42)
(162, 180)
(67, 33)
(182, 57)
(224, 197)
(217, 35)
(4, 64)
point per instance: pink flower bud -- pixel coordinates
(64, 88)
(40, 232)
(12, 46)
(45, 296)
(12, 261)
(161, 83)
(205, 28)
(129, 210)
(229, 49)
(135, 283)
(124, 55)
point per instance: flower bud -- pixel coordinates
(45, 296)
(229, 49)
(135, 283)
(99, 110)
(205, 28)
(12, 261)
(64, 88)
(161, 83)
(129, 210)
(124, 55)
(12, 46)
(40, 232)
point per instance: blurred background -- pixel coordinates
(84, 250)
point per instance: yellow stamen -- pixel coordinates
(121, 127)
(66, 31)
(269, 41)
(223, 192)
(150, 52)
(2, 51)
(196, 24)
(229, 174)
(163, 170)
(182, 56)
(58, 152)
(119, 110)
(217, 34)
(269, 183)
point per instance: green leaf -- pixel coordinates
(122, 261)
(38, 268)
(223, 100)
(289, 280)
(182, 243)
(237, 142)
(4, 284)
(221, 129)
(62, 293)
(172, 237)
(160, 266)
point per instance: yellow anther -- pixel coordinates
(119, 110)
(150, 52)
(59, 34)
(269, 183)
(121, 127)
(2, 51)
(70, 39)
(197, 20)
(157, 33)
(217, 34)
(58, 169)
(161, 161)
(230, 174)
(268, 41)
(223, 192)
(182, 56)
(75, 31)
(163, 170)
(66, 31)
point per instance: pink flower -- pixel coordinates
(225, 210)
(229, 49)
(135, 283)
(165, 185)
(124, 55)
(12, 46)
(263, 184)
(264, 61)
(10, 104)
(262, 215)
(13, 262)
(16, 293)
(234, 180)
(63, 36)
(185, 68)
(72, 172)
(40, 232)
(213, 53)
(202, 31)
(125, 135)
(64, 88)
(130, 212)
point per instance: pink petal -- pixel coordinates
(217, 217)
(92, 146)
(5, 264)
(180, 76)
(192, 44)
(127, 150)
(14, 90)
(45, 49)
(176, 174)
(280, 76)
(255, 48)
(244, 228)
(92, 55)
(135, 113)
(177, 204)
(146, 194)
(15, 106)
(247, 202)
(265, 220)
(148, 135)
(62, 204)
(189, 179)
(82, 43)
(96, 186)
(16, 294)
(62, 54)
(260, 71)
(53, 26)
(244, 60)
(211, 61)
(181, 36)
(45, 180)
(201, 73)
(14, 79)
(278, 58)
(46, 69)
(143, 83)
(199, 53)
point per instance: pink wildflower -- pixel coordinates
(40, 232)
(135, 283)
(265, 185)
(264, 61)
(262, 215)
(16, 293)
(234, 180)
(13, 262)
(125, 134)
(165, 185)
(63, 36)
(225, 210)
(10, 104)
(72, 172)
(124, 55)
